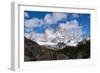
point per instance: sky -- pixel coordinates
(48, 23)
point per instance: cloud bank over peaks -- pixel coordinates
(65, 32)
(70, 30)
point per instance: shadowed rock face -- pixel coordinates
(84, 48)
(61, 45)
(31, 49)
(34, 52)
(81, 51)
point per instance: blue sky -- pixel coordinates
(82, 19)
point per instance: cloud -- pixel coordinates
(74, 30)
(26, 14)
(34, 22)
(73, 24)
(37, 36)
(30, 24)
(61, 32)
(66, 31)
(61, 27)
(59, 16)
(69, 25)
(49, 34)
(27, 35)
(54, 18)
(69, 31)
(48, 19)
(28, 29)
(33, 36)
(75, 15)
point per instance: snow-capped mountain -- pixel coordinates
(72, 43)
(61, 45)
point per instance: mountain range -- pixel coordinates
(36, 52)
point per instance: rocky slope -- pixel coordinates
(35, 52)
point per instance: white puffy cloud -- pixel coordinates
(40, 37)
(69, 31)
(33, 36)
(74, 30)
(48, 19)
(37, 36)
(34, 22)
(27, 35)
(54, 17)
(59, 16)
(61, 32)
(29, 25)
(72, 24)
(62, 27)
(49, 34)
(65, 31)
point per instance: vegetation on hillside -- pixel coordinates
(35, 52)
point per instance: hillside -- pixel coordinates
(35, 52)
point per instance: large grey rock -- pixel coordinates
(61, 57)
